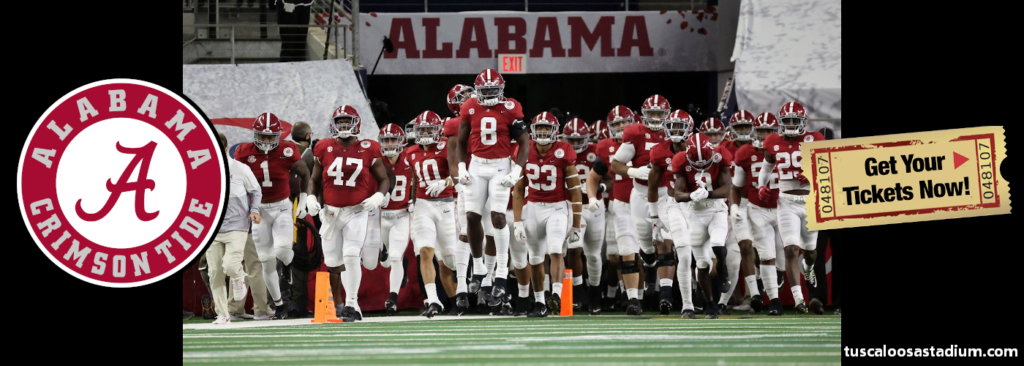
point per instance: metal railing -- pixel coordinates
(241, 46)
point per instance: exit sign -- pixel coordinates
(512, 63)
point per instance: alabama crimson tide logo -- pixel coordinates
(122, 183)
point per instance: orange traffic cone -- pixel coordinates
(323, 309)
(567, 293)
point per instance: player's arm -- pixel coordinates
(391, 179)
(316, 184)
(413, 186)
(739, 179)
(453, 157)
(622, 156)
(723, 191)
(464, 129)
(593, 184)
(572, 180)
(682, 192)
(766, 170)
(299, 168)
(518, 132)
(653, 181)
(380, 173)
(518, 199)
(252, 186)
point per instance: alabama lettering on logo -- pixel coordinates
(122, 183)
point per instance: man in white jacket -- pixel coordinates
(224, 256)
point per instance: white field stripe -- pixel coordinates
(384, 347)
(526, 331)
(395, 354)
(455, 333)
(519, 324)
(590, 362)
(547, 336)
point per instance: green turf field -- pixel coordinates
(605, 339)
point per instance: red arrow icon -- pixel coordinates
(958, 160)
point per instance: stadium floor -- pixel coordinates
(745, 339)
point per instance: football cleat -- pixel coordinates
(723, 309)
(594, 300)
(816, 307)
(809, 275)
(222, 320)
(539, 311)
(208, 312)
(461, 304)
(800, 309)
(496, 296)
(665, 306)
(282, 311)
(756, 303)
(711, 311)
(390, 306)
(351, 312)
(432, 310)
(474, 283)
(506, 309)
(688, 314)
(775, 307)
(634, 308)
(555, 304)
(522, 303)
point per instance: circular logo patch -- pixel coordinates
(559, 153)
(365, 144)
(252, 159)
(122, 183)
(441, 145)
(591, 157)
(509, 105)
(808, 138)
(287, 152)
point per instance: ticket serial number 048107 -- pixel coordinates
(904, 178)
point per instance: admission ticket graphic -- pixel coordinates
(910, 177)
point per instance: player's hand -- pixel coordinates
(300, 211)
(656, 222)
(435, 189)
(763, 192)
(510, 180)
(410, 207)
(459, 187)
(463, 177)
(312, 206)
(736, 213)
(387, 198)
(521, 231)
(639, 173)
(255, 217)
(373, 202)
(574, 234)
(699, 194)
(595, 205)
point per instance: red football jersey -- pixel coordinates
(661, 156)
(403, 178)
(750, 159)
(272, 169)
(787, 154)
(545, 175)
(584, 162)
(709, 176)
(730, 145)
(605, 150)
(489, 127)
(346, 170)
(430, 163)
(643, 139)
(451, 128)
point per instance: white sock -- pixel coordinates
(665, 282)
(752, 285)
(478, 266)
(547, 282)
(486, 282)
(622, 286)
(461, 287)
(556, 288)
(501, 242)
(770, 280)
(631, 293)
(798, 294)
(577, 280)
(489, 265)
(271, 278)
(352, 278)
(524, 290)
(640, 291)
(611, 291)
(397, 272)
(539, 296)
(432, 293)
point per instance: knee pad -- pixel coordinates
(667, 260)
(650, 260)
(536, 259)
(630, 266)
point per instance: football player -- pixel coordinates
(353, 179)
(715, 130)
(666, 215)
(550, 171)
(577, 134)
(702, 177)
(783, 151)
(489, 122)
(759, 213)
(740, 127)
(273, 162)
(433, 225)
(637, 141)
(395, 215)
(617, 239)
